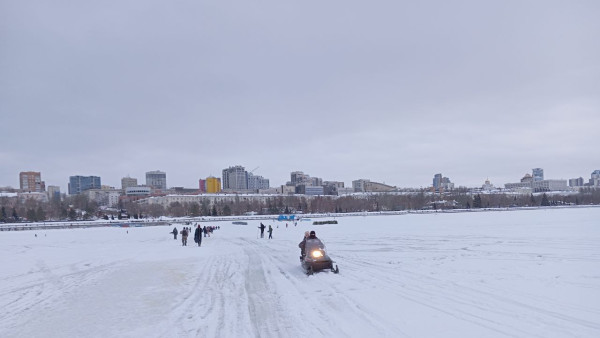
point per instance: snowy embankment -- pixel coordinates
(532, 273)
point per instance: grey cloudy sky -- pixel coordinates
(393, 91)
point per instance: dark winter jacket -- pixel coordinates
(198, 235)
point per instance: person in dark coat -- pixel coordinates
(184, 236)
(198, 235)
(270, 232)
(262, 230)
(174, 232)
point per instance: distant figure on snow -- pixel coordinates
(270, 232)
(174, 232)
(184, 236)
(262, 230)
(198, 235)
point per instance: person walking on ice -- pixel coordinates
(262, 230)
(198, 235)
(270, 232)
(184, 236)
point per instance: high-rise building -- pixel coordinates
(442, 183)
(31, 181)
(298, 177)
(595, 178)
(213, 185)
(437, 181)
(538, 174)
(78, 184)
(127, 182)
(156, 180)
(235, 178)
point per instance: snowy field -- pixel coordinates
(530, 273)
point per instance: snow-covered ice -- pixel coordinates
(528, 273)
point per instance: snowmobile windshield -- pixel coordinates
(313, 244)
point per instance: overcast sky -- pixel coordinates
(392, 91)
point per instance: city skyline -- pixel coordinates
(166, 185)
(393, 92)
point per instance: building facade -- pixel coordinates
(360, 185)
(127, 182)
(104, 197)
(256, 183)
(235, 179)
(79, 184)
(138, 191)
(549, 185)
(213, 185)
(576, 182)
(31, 181)
(538, 174)
(53, 192)
(595, 178)
(298, 177)
(442, 183)
(156, 180)
(304, 189)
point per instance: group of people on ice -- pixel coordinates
(262, 228)
(198, 232)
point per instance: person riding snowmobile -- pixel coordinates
(302, 245)
(315, 256)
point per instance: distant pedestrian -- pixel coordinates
(198, 235)
(174, 232)
(262, 230)
(270, 232)
(184, 236)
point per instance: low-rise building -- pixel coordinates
(549, 185)
(104, 197)
(38, 196)
(576, 182)
(304, 189)
(138, 191)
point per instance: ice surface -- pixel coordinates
(531, 273)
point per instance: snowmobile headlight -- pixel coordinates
(317, 254)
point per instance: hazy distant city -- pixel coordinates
(238, 180)
(239, 191)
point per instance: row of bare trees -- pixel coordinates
(80, 207)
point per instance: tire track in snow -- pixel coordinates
(268, 317)
(323, 297)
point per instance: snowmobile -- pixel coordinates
(316, 258)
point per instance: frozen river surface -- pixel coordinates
(529, 273)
